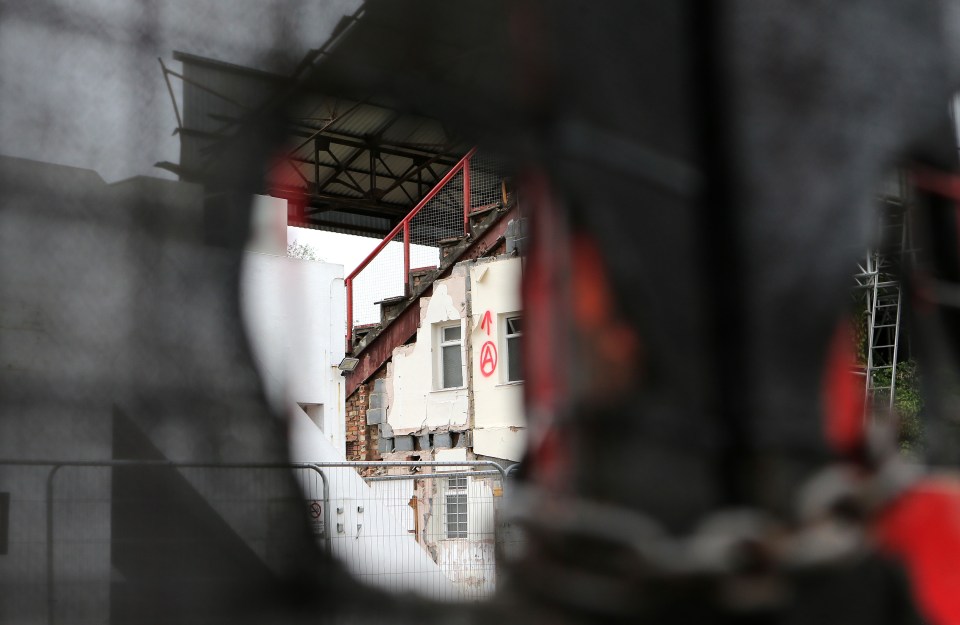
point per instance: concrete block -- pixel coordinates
(378, 400)
(386, 430)
(403, 443)
(376, 416)
(380, 386)
(423, 441)
(443, 440)
(385, 445)
(516, 236)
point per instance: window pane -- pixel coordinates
(452, 366)
(456, 517)
(513, 325)
(451, 334)
(514, 364)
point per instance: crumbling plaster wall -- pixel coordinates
(480, 296)
(414, 398)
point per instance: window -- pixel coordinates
(451, 357)
(514, 364)
(456, 507)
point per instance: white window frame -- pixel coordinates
(457, 490)
(505, 350)
(441, 384)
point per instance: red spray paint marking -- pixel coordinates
(488, 359)
(487, 322)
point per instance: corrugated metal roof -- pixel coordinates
(377, 160)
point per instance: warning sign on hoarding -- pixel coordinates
(315, 510)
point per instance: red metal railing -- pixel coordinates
(439, 224)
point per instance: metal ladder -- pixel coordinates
(881, 277)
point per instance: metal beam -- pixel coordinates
(321, 224)
(326, 202)
(414, 169)
(309, 133)
(355, 170)
(447, 158)
(369, 142)
(344, 167)
(398, 182)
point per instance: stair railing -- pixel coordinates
(443, 209)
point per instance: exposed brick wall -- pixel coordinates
(356, 409)
(362, 440)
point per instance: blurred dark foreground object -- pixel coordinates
(700, 176)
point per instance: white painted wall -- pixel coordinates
(295, 314)
(375, 544)
(295, 311)
(414, 397)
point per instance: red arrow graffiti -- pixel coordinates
(487, 322)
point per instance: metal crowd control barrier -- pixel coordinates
(424, 527)
(61, 547)
(432, 528)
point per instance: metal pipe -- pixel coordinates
(406, 257)
(348, 284)
(466, 195)
(402, 226)
(163, 463)
(413, 213)
(413, 463)
(173, 99)
(430, 476)
(51, 602)
(327, 539)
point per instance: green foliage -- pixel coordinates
(907, 402)
(302, 251)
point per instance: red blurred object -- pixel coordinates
(922, 529)
(843, 395)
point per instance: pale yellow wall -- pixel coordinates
(499, 424)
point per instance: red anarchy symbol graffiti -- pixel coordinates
(488, 359)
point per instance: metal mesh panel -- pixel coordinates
(391, 529)
(487, 174)
(381, 279)
(440, 218)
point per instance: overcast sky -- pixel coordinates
(80, 83)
